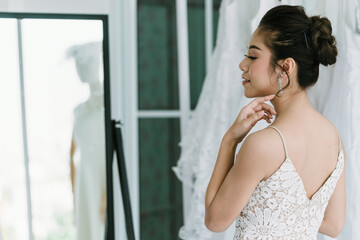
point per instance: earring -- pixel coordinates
(279, 82)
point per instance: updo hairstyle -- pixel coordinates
(289, 33)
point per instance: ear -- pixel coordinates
(289, 65)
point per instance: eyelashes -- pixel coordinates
(251, 57)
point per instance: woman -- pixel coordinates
(288, 180)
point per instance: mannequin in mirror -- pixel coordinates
(88, 174)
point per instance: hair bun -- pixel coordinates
(324, 44)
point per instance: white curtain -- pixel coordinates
(336, 95)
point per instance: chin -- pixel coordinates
(249, 95)
(254, 95)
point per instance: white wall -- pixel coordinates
(122, 106)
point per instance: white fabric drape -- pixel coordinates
(342, 107)
(335, 95)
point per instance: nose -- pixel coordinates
(243, 66)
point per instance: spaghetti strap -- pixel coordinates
(339, 139)
(282, 139)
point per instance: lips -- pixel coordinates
(245, 79)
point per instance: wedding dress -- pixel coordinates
(90, 185)
(279, 207)
(89, 138)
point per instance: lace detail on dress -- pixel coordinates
(280, 209)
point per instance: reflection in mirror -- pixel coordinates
(57, 128)
(88, 179)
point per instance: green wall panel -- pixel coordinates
(157, 52)
(160, 190)
(161, 213)
(157, 56)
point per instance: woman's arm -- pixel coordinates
(224, 163)
(231, 185)
(334, 217)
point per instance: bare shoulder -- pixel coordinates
(325, 123)
(328, 130)
(262, 151)
(337, 133)
(262, 140)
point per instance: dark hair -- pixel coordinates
(289, 32)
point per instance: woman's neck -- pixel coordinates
(290, 103)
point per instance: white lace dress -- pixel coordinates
(279, 207)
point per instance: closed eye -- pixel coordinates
(251, 57)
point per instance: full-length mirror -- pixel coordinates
(52, 103)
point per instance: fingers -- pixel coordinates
(267, 115)
(255, 118)
(269, 110)
(257, 105)
(261, 101)
(263, 106)
(261, 115)
(269, 97)
(266, 118)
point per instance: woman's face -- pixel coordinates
(259, 78)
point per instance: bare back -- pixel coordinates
(303, 187)
(313, 147)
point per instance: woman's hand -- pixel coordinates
(249, 116)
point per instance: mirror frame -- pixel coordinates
(109, 222)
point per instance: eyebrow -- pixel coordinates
(254, 46)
